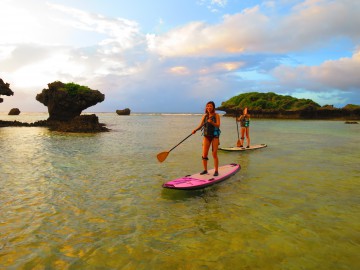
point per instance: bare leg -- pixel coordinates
(206, 146)
(242, 136)
(215, 146)
(248, 136)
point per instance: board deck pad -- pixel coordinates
(235, 148)
(197, 181)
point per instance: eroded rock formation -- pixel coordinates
(5, 90)
(81, 123)
(66, 101)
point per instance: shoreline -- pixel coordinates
(314, 114)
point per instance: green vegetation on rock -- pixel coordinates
(75, 89)
(352, 107)
(268, 101)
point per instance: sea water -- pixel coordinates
(95, 201)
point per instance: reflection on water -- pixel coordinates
(95, 201)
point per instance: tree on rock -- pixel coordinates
(5, 90)
(66, 101)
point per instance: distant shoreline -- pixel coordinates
(314, 114)
(13, 120)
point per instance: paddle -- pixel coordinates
(238, 143)
(163, 155)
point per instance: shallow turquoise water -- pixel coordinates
(95, 201)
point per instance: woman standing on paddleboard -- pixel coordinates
(244, 120)
(210, 123)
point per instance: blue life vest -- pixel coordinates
(245, 121)
(209, 129)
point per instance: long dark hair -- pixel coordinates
(212, 103)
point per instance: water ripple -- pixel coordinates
(94, 201)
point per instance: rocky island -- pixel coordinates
(14, 111)
(271, 105)
(125, 111)
(65, 103)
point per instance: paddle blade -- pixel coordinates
(162, 156)
(238, 143)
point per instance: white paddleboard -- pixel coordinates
(235, 148)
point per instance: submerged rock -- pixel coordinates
(14, 111)
(42, 123)
(81, 123)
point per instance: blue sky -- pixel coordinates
(174, 56)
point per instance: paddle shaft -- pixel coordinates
(179, 143)
(238, 143)
(184, 140)
(237, 127)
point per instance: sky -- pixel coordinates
(175, 55)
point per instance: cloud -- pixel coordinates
(30, 63)
(200, 39)
(341, 74)
(315, 22)
(119, 34)
(311, 23)
(213, 5)
(178, 70)
(18, 23)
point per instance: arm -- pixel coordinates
(240, 118)
(217, 124)
(199, 126)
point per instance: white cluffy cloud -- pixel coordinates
(118, 34)
(341, 74)
(309, 24)
(62, 43)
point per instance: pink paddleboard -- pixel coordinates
(197, 181)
